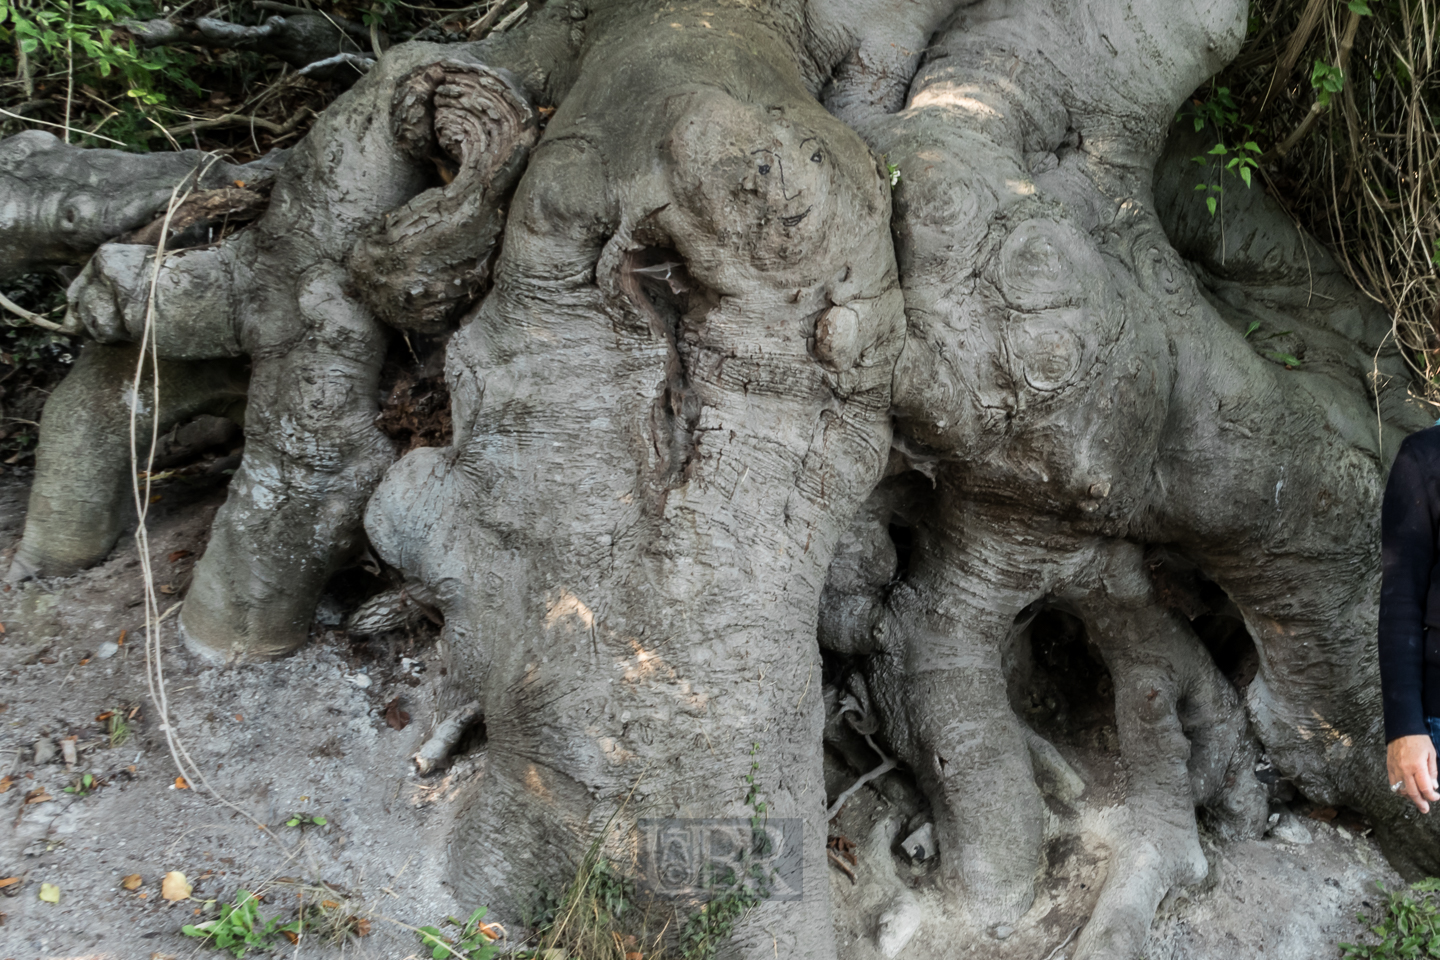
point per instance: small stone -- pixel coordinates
(898, 925)
(44, 750)
(107, 650)
(360, 680)
(920, 845)
(1291, 830)
(1002, 932)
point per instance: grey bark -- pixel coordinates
(58, 202)
(702, 366)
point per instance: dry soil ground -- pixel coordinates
(308, 736)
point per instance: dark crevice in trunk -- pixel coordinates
(414, 397)
(662, 289)
(1060, 686)
(1212, 614)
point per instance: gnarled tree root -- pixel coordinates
(82, 487)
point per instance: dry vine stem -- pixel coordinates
(154, 619)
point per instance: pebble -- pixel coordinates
(360, 680)
(44, 750)
(107, 650)
(1291, 830)
(1003, 932)
(920, 845)
(898, 925)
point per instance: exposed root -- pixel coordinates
(77, 502)
(446, 736)
(59, 202)
(393, 609)
(303, 39)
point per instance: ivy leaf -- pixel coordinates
(1245, 175)
(1211, 204)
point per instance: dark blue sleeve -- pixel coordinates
(1407, 552)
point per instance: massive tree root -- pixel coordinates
(279, 294)
(1066, 378)
(678, 388)
(707, 255)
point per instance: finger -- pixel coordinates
(1411, 791)
(1420, 774)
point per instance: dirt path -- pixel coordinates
(298, 736)
(307, 736)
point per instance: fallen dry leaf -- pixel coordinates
(1323, 814)
(329, 904)
(239, 718)
(121, 642)
(2, 628)
(38, 795)
(292, 937)
(396, 718)
(362, 927)
(85, 661)
(49, 893)
(156, 498)
(105, 716)
(5, 783)
(9, 882)
(132, 882)
(181, 784)
(175, 886)
(166, 589)
(178, 555)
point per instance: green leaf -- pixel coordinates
(319, 821)
(1254, 325)
(293, 822)
(1245, 175)
(1211, 204)
(1288, 359)
(1358, 7)
(1219, 149)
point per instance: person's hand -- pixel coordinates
(1411, 761)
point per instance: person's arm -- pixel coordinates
(1407, 543)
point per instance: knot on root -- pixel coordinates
(475, 114)
(430, 259)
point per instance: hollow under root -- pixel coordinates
(82, 465)
(1183, 739)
